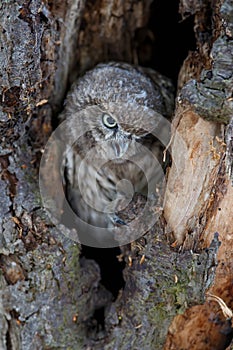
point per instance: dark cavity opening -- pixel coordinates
(98, 316)
(111, 270)
(171, 40)
(110, 267)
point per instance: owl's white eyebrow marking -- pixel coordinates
(109, 134)
(127, 133)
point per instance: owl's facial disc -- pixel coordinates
(120, 139)
(120, 144)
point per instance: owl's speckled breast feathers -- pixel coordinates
(116, 107)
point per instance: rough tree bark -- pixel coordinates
(201, 187)
(49, 294)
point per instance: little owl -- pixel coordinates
(116, 114)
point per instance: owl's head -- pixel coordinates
(116, 103)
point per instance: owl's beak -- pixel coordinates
(120, 145)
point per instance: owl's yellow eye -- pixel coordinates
(108, 121)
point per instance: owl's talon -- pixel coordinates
(117, 220)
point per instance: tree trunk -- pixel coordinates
(173, 289)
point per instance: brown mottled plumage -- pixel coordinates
(114, 109)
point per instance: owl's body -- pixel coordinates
(114, 110)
